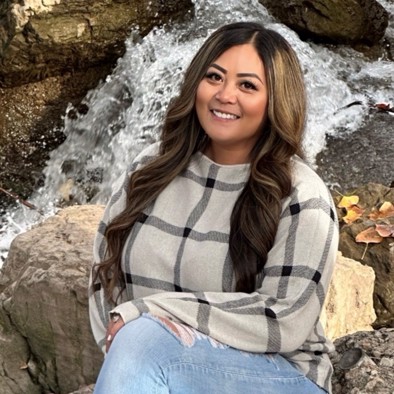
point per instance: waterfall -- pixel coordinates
(124, 113)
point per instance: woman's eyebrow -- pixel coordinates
(242, 75)
(253, 75)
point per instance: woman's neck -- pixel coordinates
(226, 156)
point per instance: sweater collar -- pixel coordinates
(231, 173)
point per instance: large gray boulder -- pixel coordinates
(345, 22)
(46, 343)
(45, 38)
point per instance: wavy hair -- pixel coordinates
(256, 214)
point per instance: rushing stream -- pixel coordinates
(124, 112)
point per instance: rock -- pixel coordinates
(40, 39)
(14, 357)
(342, 164)
(45, 327)
(379, 256)
(346, 22)
(349, 304)
(374, 371)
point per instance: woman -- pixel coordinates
(215, 253)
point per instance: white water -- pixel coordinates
(126, 110)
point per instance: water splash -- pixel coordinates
(123, 115)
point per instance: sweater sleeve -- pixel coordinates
(281, 314)
(99, 308)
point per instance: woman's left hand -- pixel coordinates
(115, 324)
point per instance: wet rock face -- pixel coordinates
(345, 22)
(40, 39)
(351, 160)
(31, 126)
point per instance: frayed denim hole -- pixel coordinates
(187, 335)
(168, 329)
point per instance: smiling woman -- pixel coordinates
(231, 104)
(214, 254)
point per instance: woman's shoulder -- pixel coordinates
(305, 179)
(148, 152)
(144, 156)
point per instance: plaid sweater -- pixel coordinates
(176, 264)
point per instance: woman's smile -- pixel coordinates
(224, 115)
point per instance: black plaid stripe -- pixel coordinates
(101, 228)
(150, 283)
(295, 209)
(178, 231)
(186, 232)
(318, 204)
(210, 183)
(213, 183)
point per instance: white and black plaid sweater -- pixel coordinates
(176, 264)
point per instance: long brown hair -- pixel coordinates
(256, 214)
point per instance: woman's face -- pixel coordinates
(231, 102)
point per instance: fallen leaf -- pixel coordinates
(348, 201)
(385, 230)
(353, 213)
(383, 106)
(370, 235)
(385, 211)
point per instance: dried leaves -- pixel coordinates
(379, 216)
(353, 211)
(385, 211)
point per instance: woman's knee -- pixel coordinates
(135, 359)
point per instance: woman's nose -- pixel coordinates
(226, 94)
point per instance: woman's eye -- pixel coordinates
(248, 85)
(213, 76)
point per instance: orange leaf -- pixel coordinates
(385, 211)
(353, 213)
(385, 230)
(383, 106)
(370, 235)
(348, 201)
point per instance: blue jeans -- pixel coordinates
(146, 358)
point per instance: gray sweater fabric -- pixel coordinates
(177, 265)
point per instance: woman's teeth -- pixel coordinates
(222, 115)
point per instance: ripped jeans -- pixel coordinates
(148, 356)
